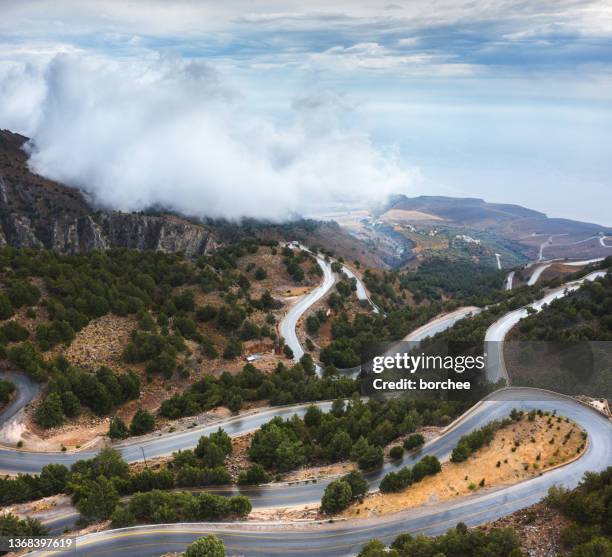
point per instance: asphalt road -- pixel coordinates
(21, 461)
(345, 538)
(287, 326)
(317, 539)
(362, 293)
(509, 280)
(440, 323)
(26, 390)
(496, 369)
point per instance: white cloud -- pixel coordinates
(376, 57)
(168, 132)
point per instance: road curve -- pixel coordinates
(345, 538)
(496, 369)
(26, 391)
(14, 461)
(537, 273)
(441, 323)
(362, 293)
(288, 324)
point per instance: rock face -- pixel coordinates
(39, 213)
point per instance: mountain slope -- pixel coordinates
(39, 213)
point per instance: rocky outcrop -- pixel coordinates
(39, 213)
(164, 233)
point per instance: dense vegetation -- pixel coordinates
(351, 336)
(13, 526)
(589, 507)
(70, 387)
(160, 290)
(161, 507)
(459, 541)
(557, 347)
(157, 287)
(397, 481)
(464, 280)
(585, 314)
(284, 386)
(96, 484)
(357, 430)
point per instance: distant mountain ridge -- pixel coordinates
(534, 233)
(477, 213)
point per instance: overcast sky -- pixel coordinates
(267, 108)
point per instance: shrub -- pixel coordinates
(142, 422)
(414, 441)
(396, 452)
(50, 412)
(373, 457)
(337, 497)
(255, 475)
(208, 546)
(117, 429)
(359, 485)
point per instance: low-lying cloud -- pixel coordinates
(168, 132)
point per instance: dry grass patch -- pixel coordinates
(518, 452)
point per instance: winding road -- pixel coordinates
(345, 538)
(26, 391)
(496, 368)
(288, 325)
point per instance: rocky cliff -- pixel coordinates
(39, 213)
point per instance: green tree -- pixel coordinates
(414, 441)
(233, 349)
(95, 499)
(142, 422)
(373, 457)
(70, 404)
(208, 546)
(359, 485)
(337, 497)
(255, 475)
(50, 412)
(117, 429)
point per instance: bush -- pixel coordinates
(117, 429)
(396, 452)
(233, 349)
(373, 457)
(359, 485)
(11, 525)
(142, 422)
(208, 546)
(95, 499)
(414, 441)
(255, 475)
(6, 391)
(337, 497)
(50, 412)
(6, 308)
(396, 481)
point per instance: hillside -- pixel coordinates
(566, 346)
(469, 227)
(39, 213)
(36, 213)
